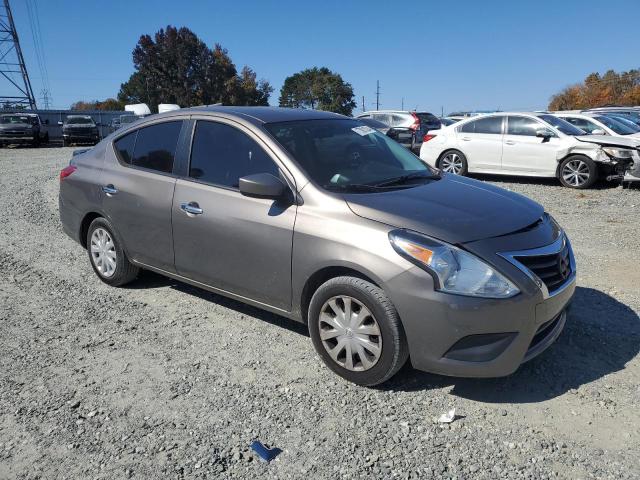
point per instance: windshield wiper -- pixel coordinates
(405, 178)
(353, 187)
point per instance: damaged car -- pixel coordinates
(532, 145)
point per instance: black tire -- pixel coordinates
(460, 156)
(65, 142)
(578, 162)
(46, 137)
(125, 271)
(394, 344)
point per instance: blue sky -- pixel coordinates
(436, 54)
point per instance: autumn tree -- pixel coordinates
(318, 88)
(597, 90)
(175, 66)
(108, 104)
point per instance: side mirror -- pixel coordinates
(598, 131)
(46, 122)
(544, 133)
(262, 185)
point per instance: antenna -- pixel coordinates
(16, 90)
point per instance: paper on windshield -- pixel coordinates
(363, 130)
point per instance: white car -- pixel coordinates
(529, 144)
(600, 124)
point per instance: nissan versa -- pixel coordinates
(324, 220)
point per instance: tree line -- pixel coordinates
(175, 66)
(597, 90)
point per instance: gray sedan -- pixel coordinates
(322, 219)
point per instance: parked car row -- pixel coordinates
(534, 144)
(22, 128)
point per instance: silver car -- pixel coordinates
(324, 220)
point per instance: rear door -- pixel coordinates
(481, 142)
(137, 184)
(524, 152)
(235, 243)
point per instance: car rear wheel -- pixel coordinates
(453, 161)
(577, 171)
(106, 255)
(356, 331)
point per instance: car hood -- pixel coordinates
(609, 141)
(453, 209)
(78, 125)
(15, 126)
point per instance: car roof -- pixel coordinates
(261, 114)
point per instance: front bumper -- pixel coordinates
(81, 137)
(476, 337)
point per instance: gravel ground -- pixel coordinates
(162, 380)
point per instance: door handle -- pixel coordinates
(191, 208)
(509, 142)
(109, 189)
(466, 139)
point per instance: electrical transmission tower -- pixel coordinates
(15, 87)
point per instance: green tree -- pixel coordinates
(175, 66)
(318, 88)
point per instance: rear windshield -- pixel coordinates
(342, 153)
(428, 121)
(618, 127)
(80, 120)
(562, 125)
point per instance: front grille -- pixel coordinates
(13, 133)
(553, 270)
(80, 132)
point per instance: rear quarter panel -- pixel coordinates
(80, 192)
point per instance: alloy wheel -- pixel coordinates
(576, 173)
(103, 252)
(350, 333)
(452, 163)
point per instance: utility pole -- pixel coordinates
(377, 94)
(46, 98)
(402, 108)
(363, 109)
(17, 92)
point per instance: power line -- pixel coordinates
(36, 34)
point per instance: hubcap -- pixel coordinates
(103, 252)
(451, 163)
(575, 173)
(350, 333)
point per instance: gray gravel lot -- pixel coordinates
(162, 380)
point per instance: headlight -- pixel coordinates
(453, 269)
(618, 152)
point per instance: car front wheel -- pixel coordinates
(106, 255)
(356, 331)
(577, 171)
(453, 161)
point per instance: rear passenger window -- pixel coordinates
(221, 154)
(484, 125)
(124, 147)
(155, 146)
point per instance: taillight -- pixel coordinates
(415, 126)
(66, 171)
(428, 137)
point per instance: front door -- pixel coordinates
(524, 152)
(222, 238)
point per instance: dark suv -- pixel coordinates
(79, 129)
(21, 128)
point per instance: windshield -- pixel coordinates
(339, 154)
(626, 121)
(632, 117)
(618, 127)
(15, 119)
(562, 125)
(79, 121)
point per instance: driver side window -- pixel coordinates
(221, 155)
